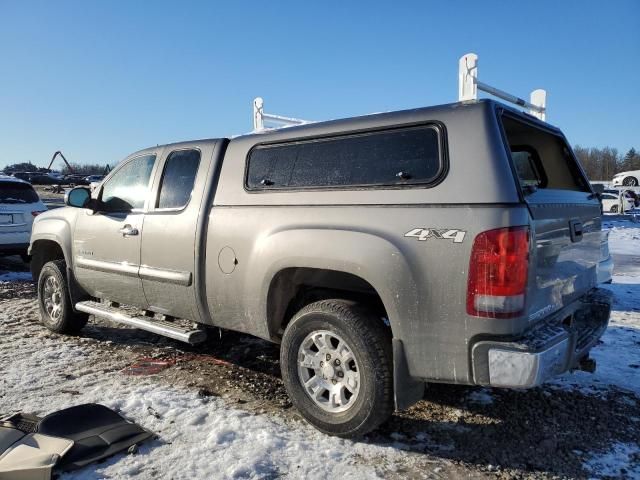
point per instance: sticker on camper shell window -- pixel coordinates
(424, 234)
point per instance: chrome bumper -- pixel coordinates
(604, 271)
(549, 349)
(508, 368)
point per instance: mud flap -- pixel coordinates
(407, 390)
(76, 292)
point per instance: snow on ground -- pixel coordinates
(624, 237)
(618, 357)
(199, 437)
(623, 461)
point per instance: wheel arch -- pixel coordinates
(44, 250)
(292, 288)
(357, 262)
(50, 238)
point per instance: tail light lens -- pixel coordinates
(498, 272)
(36, 213)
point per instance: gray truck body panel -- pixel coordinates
(223, 258)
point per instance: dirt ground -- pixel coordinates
(546, 432)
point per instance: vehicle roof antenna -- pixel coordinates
(468, 86)
(259, 117)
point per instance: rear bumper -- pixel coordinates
(549, 349)
(604, 270)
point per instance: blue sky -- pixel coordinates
(100, 80)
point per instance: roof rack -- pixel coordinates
(468, 86)
(259, 117)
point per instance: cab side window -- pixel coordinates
(178, 178)
(128, 188)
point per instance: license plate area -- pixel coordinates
(6, 219)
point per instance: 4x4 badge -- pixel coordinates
(423, 234)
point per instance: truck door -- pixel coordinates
(106, 244)
(169, 235)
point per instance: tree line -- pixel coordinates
(604, 163)
(79, 169)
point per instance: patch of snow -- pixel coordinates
(480, 397)
(624, 237)
(206, 438)
(622, 461)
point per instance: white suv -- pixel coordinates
(19, 204)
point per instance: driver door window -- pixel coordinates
(128, 188)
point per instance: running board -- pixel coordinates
(160, 327)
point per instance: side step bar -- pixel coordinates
(166, 329)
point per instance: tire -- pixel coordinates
(630, 182)
(362, 358)
(56, 311)
(614, 209)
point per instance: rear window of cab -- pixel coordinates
(392, 157)
(541, 159)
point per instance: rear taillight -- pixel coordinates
(35, 214)
(498, 273)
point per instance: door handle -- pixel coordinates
(575, 230)
(128, 231)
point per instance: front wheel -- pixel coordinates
(56, 311)
(614, 209)
(336, 365)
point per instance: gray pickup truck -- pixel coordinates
(455, 244)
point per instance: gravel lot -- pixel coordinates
(576, 427)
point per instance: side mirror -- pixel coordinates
(78, 197)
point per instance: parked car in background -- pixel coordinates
(76, 179)
(611, 202)
(94, 181)
(628, 179)
(629, 194)
(43, 178)
(19, 204)
(26, 176)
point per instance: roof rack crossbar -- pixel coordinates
(468, 86)
(259, 117)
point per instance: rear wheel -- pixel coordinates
(630, 182)
(614, 209)
(336, 365)
(56, 311)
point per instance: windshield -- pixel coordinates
(14, 192)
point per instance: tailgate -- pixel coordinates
(566, 250)
(565, 216)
